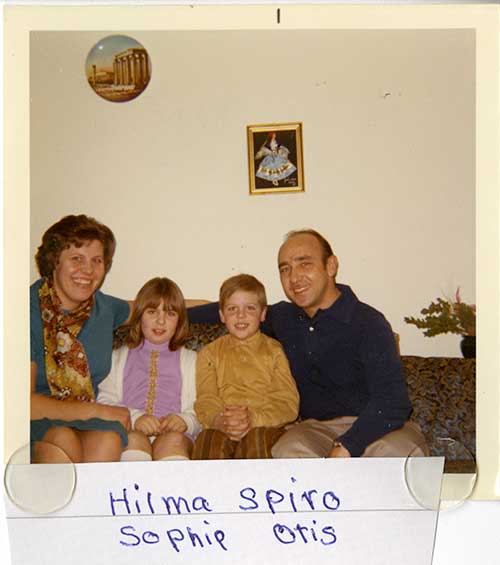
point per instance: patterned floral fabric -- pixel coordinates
(443, 394)
(442, 391)
(66, 363)
(202, 334)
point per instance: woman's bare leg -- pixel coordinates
(59, 445)
(100, 446)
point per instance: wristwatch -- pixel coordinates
(336, 444)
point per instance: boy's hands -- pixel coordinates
(148, 425)
(173, 423)
(235, 421)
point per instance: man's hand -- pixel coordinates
(339, 451)
(148, 425)
(173, 423)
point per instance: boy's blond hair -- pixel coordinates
(247, 283)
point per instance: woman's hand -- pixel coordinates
(114, 413)
(43, 406)
(148, 425)
(173, 423)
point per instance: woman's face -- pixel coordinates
(79, 273)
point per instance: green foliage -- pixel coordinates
(442, 317)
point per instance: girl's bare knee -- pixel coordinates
(172, 444)
(101, 446)
(139, 441)
(176, 438)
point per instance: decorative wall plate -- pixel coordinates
(118, 68)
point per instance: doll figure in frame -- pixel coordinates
(275, 165)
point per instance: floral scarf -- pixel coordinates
(66, 363)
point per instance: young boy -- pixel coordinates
(245, 392)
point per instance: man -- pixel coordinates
(343, 356)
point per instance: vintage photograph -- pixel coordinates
(275, 160)
(81, 281)
(176, 190)
(151, 269)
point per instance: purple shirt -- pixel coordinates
(152, 379)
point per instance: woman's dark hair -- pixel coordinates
(73, 230)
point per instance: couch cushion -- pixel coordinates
(443, 394)
(202, 334)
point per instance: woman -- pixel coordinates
(72, 325)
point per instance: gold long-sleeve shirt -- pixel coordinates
(252, 372)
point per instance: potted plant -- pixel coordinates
(449, 316)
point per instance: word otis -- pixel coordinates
(203, 535)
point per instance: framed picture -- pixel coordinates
(275, 161)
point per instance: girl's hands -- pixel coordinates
(173, 423)
(148, 425)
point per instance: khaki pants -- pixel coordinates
(314, 438)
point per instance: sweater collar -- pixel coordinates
(148, 346)
(341, 310)
(249, 342)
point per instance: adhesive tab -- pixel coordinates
(459, 476)
(40, 488)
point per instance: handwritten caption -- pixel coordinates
(133, 502)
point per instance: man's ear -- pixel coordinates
(263, 314)
(332, 266)
(221, 315)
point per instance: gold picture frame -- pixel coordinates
(275, 162)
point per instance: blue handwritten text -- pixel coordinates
(177, 538)
(290, 501)
(132, 503)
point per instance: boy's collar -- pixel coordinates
(248, 341)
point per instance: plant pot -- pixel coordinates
(468, 346)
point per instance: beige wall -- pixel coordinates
(389, 157)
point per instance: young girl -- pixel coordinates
(154, 376)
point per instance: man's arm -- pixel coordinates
(389, 406)
(204, 314)
(192, 302)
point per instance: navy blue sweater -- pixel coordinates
(345, 363)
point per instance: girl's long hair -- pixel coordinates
(150, 296)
